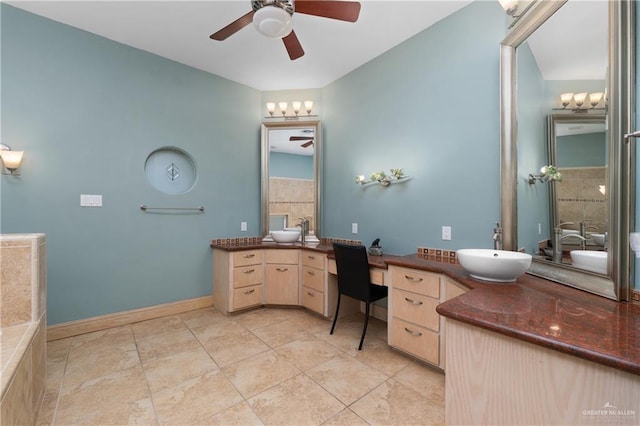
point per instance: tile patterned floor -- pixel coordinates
(268, 366)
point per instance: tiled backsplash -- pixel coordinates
(447, 254)
(236, 241)
(330, 241)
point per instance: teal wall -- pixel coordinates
(290, 165)
(587, 150)
(431, 107)
(87, 112)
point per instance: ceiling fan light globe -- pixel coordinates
(273, 22)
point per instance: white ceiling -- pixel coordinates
(179, 30)
(572, 44)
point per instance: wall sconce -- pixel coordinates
(579, 100)
(10, 159)
(284, 107)
(547, 174)
(397, 176)
(511, 7)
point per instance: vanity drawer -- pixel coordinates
(312, 259)
(416, 308)
(313, 278)
(247, 275)
(289, 257)
(418, 341)
(247, 296)
(415, 281)
(313, 300)
(247, 257)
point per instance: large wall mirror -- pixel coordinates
(291, 176)
(594, 198)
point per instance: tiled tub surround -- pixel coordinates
(23, 326)
(579, 198)
(292, 198)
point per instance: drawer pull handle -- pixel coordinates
(282, 269)
(249, 271)
(311, 294)
(251, 291)
(413, 333)
(311, 257)
(311, 273)
(413, 302)
(249, 256)
(414, 279)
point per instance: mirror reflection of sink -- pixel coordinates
(599, 239)
(494, 265)
(589, 260)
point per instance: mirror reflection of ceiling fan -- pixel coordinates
(307, 144)
(273, 19)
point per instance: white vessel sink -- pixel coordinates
(599, 239)
(590, 260)
(494, 265)
(285, 237)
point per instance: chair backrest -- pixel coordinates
(353, 271)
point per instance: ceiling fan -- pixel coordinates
(273, 19)
(307, 144)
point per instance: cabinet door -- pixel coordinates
(281, 286)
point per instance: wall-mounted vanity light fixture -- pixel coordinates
(397, 176)
(10, 159)
(296, 107)
(511, 8)
(547, 174)
(582, 102)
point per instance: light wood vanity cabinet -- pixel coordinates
(237, 279)
(313, 291)
(414, 325)
(282, 277)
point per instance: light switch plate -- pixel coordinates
(87, 200)
(354, 228)
(243, 226)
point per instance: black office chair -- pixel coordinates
(354, 280)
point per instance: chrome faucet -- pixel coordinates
(304, 229)
(497, 237)
(557, 243)
(584, 227)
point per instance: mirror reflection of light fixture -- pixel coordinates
(271, 108)
(283, 107)
(273, 21)
(579, 100)
(547, 174)
(602, 189)
(511, 7)
(10, 159)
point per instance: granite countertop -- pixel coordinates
(531, 309)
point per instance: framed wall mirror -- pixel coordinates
(291, 176)
(531, 213)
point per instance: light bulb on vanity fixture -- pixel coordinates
(10, 159)
(284, 107)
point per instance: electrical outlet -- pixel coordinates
(446, 233)
(243, 226)
(354, 228)
(539, 229)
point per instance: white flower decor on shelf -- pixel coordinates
(547, 174)
(397, 176)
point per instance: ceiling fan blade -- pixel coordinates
(307, 145)
(301, 138)
(233, 27)
(293, 46)
(341, 10)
